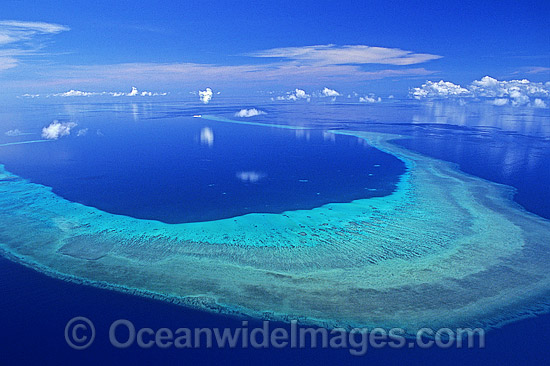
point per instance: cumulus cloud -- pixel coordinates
(250, 176)
(300, 94)
(75, 93)
(205, 95)
(514, 89)
(371, 98)
(330, 92)
(249, 112)
(515, 92)
(134, 92)
(539, 103)
(295, 95)
(500, 101)
(347, 54)
(439, 89)
(57, 129)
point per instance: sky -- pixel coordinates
(241, 47)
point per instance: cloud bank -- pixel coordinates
(79, 93)
(56, 130)
(440, 89)
(514, 92)
(249, 112)
(299, 94)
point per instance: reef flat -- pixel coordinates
(444, 250)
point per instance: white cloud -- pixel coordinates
(518, 91)
(500, 101)
(249, 112)
(537, 70)
(288, 73)
(14, 30)
(7, 63)
(13, 133)
(56, 130)
(330, 92)
(539, 103)
(134, 92)
(16, 34)
(348, 54)
(300, 94)
(295, 95)
(371, 98)
(515, 92)
(250, 176)
(440, 89)
(205, 95)
(82, 132)
(75, 93)
(533, 70)
(79, 93)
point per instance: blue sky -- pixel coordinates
(242, 47)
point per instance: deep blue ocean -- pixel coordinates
(185, 169)
(154, 160)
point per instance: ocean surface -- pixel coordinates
(154, 160)
(185, 169)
